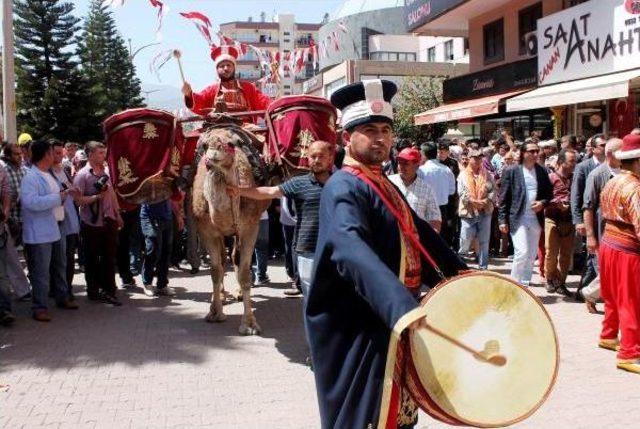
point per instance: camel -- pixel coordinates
(218, 215)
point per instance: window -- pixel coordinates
(448, 50)
(411, 57)
(286, 33)
(571, 3)
(527, 22)
(392, 56)
(431, 54)
(494, 41)
(287, 40)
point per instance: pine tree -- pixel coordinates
(106, 66)
(49, 97)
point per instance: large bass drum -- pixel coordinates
(482, 310)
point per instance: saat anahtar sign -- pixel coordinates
(591, 39)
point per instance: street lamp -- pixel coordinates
(8, 74)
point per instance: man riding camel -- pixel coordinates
(230, 94)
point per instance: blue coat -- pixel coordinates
(355, 298)
(39, 224)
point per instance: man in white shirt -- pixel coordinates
(418, 193)
(443, 182)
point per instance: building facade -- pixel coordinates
(531, 62)
(282, 36)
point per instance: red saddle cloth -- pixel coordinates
(294, 123)
(141, 146)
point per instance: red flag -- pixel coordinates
(224, 40)
(202, 23)
(161, 11)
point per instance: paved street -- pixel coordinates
(156, 363)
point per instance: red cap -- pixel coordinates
(410, 154)
(630, 147)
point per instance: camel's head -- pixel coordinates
(221, 149)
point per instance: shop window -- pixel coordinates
(448, 50)
(528, 22)
(393, 56)
(494, 41)
(411, 57)
(431, 54)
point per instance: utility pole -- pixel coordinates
(8, 74)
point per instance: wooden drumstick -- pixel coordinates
(177, 54)
(490, 353)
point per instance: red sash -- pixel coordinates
(407, 231)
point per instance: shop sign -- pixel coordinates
(592, 39)
(312, 84)
(419, 12)
(497, 80)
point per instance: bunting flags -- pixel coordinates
(202, 23)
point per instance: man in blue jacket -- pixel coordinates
(42, 214)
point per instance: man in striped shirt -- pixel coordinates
(305, 192)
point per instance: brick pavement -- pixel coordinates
(156, 363)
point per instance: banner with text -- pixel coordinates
(591, 39)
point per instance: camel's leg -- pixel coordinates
(245, 245)
(216, 313)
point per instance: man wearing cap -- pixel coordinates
(619, 257)
(228, 95)
(370, 264)
(416, 191)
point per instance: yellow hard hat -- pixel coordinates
(24, 139)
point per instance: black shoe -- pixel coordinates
(7, 318)
(111, 299)
(562, 290)
(193, 271)
(551, 288)
(578, 296)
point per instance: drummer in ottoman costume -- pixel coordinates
(368, 273)
(238, 96)
(619, 258)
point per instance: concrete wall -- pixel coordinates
(387, 21)
(511, 36)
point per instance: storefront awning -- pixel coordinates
(578, 91)
(465, 109)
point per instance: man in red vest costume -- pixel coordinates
(230, 94)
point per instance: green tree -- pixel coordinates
(106, 67)
(49, 92)
(416, 95)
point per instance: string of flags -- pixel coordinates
(275, 65)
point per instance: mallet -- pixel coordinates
(177, 54)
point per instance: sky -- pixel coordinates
(136, 21)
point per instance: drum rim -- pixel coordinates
(552, 383)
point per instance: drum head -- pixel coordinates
(474, 309)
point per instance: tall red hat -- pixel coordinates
(224, 53)
(630, 147)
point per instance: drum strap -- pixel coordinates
(409, 232)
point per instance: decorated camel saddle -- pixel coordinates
(150, 156)
(294, 122)
(144, 155)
